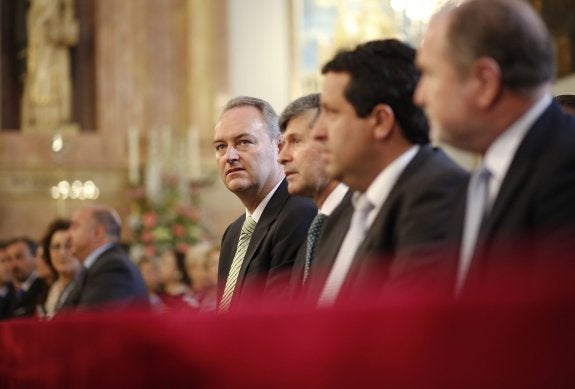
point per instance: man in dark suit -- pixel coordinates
(6, 287)
(259, 248)
(306, 176)
(487, 66)
(109, 279)
(377, 144)
(28, 288)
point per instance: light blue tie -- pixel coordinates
(476, 210)
(353, 238)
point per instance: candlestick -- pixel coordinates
(133, 155)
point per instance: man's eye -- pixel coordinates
(219, 147)
(243, 143)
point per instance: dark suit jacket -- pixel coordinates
(29, 301)
(112, 281)
(266, 268)
(6, 301)
(401, 246)
(532, 219)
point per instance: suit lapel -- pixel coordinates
(519, 170)
(373, 237)
(269, 215)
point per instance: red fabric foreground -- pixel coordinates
(476, 344)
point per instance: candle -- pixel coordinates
(153, 169)
(133, 155)
(194, 156)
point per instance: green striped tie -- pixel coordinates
(243, 243)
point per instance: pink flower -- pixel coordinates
(179, 230)
(182, 248)
(147, 237)
(188, 211)
(149, 219)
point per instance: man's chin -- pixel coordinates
(295, 189)
(237, 185)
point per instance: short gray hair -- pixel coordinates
(268, 114)
(298, 107)
(109, 219)
(508, 31)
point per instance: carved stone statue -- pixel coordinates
(52, 29)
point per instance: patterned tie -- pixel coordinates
(349, 246)
(476, 210)
(243, 243)
(312, 237)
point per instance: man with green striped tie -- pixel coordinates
(259, 248)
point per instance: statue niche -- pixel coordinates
(52, 30)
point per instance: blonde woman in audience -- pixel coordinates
(150, 273)
(56, 246)
(208, 302)
(195, 266)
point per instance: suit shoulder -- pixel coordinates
(299, 203)
(435, 165)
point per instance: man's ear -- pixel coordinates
(279, 141)
(98, 232)
(487, 74)
(383, 121)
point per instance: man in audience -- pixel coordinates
(306, 175)
(6, 287)
(259, 248)
(109, 278)
(377, 143)
(487, 67)
(28, 288)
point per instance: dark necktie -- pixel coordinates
(312, 238)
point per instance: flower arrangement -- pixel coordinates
(167, 223)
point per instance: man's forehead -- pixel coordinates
(18, 247)
(235, 126)
(301, 123)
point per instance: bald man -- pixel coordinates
(109, 279)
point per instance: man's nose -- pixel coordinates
(232, 154)
(283, 155)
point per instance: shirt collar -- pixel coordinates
(93, 256)
(29, 281)
(261, 206)
(333, 199)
